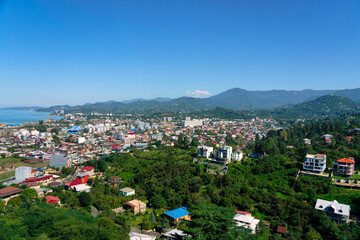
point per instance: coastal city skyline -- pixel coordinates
(180, 119)
(76, 53)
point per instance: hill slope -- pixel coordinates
(184, 104)
(241, 99)
(235, 99)
(322, 107)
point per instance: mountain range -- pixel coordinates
(232, 99)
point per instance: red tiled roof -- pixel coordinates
(9, 191)
(53, 184)
(242, 212)
(52, 199)
(31, 179)
(281, 229)
(345, 160)
(87, 169)
(130, 204)
(73, 183)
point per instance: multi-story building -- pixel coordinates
(60, 161)
(244, 219)
(340, 213)
(315, 163)
(223, 154)
(22, 173)
(136, 206)
(237, 155)
(192, 123)
(204, 151)
(344, 167)
(158, 137)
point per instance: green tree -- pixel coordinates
(312, 235)
(28, 194)
(212, 222)
(85, 199)
(158, 201)
(2, 206)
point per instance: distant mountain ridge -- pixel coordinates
(22, 108)
(234, 99)
(323, 107)
(241, 99)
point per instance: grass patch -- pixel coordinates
(126, 175)
(9, 161)
(280, 195)
(355, 177)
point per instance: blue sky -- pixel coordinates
(78, 51)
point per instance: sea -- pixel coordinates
(16, 117)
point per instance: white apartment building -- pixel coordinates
(223, 154)
(237, 155)
(204, 151)
(192, 123)
(315, 163)
(22, 173)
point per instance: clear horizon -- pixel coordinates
(65, 52)
(131, 99)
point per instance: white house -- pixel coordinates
(237, 155)
(81, 188)
(174, 234)
(340, 213)
(126, 191)
(315, 163)
(140, 236)
(244, 219)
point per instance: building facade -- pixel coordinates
(315, 163)
(223, 154)
(344, 167)
(339, 213)
(60, 161)
(244, 219)
(204, 151)
(236, 155)
(22, 173)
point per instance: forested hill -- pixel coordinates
(322, 107)
(184, 104)
(235, 99)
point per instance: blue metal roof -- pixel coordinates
(75, 129)
(177, 213)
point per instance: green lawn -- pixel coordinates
(16, 162)
(355, 177)
(136, 222)
(9, 161)
(6, 175)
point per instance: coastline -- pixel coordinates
(14, 117)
